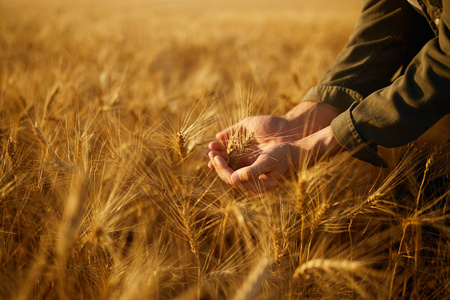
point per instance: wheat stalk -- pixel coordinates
(252, 284)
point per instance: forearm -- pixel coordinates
(379, 46)
(404, 110)
(315, 147)
(309, 117)
(401, 112)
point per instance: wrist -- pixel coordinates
(326, 143)
(319, 145)
(309, 117)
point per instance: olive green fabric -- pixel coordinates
(392, 79)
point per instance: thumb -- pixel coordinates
(263, 164)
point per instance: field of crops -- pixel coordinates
(106, 110)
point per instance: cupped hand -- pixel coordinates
(257, 133)
(304, 119)
(271, 149)
(269, 168)
(277, 162)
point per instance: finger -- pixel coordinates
(222, 154)
(221, 167)
(218, 146)
(263, 164)
(209, 151)
(210, 165)
(264, 183)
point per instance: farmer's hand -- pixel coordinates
(242, 143)
(276, 162)
(268, 132)
(303, 120)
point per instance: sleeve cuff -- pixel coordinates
(347, 136)
(337, 97)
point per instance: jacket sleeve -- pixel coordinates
(376, 50)
(404, 110)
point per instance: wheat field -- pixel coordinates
(106, 110)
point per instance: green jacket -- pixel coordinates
(392, 79)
